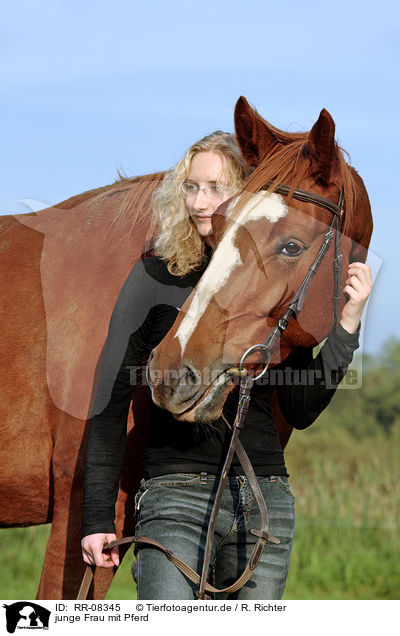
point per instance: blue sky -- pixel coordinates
(90, 88)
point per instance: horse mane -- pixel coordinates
(134, 204)
(135, 208)
(288, 162)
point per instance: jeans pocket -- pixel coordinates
(169, 481)
(283, 483)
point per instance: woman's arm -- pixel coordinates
(301, 404)
(128, 334)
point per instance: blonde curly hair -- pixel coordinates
(178, 242)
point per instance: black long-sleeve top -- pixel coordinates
(145, 311)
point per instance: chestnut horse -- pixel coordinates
(62, 269)
(266, 244)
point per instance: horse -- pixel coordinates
(267, 243)
(62, 269)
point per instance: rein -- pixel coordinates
(246, 383)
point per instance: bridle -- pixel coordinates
(245, 385)
(246, 382)
(296, 304)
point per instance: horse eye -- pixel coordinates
(292, 249)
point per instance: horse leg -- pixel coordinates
(63, 566)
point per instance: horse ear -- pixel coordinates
(252, 133)
(321, 143)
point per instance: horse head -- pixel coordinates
(265, 246)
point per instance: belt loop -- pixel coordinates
(203, 479)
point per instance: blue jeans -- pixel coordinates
(175, 510)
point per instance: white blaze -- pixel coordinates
(226, 258)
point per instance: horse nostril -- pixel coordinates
(188, 376)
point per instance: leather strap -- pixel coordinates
(307, 197)
(263, 534)
(191, 574)
(205, 587)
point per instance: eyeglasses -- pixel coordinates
(213, 192)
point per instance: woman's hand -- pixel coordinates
(92, 550)
(358, 287)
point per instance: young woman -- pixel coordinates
(181, 462)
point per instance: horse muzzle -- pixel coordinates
(190, 395)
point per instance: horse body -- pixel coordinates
(62, 269)
(27, 456)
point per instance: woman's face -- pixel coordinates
(205, 189)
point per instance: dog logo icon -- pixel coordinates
(26, 615)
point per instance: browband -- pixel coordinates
(308, 197)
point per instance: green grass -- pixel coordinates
(343, 563)
(21, 557)
(347, 538)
